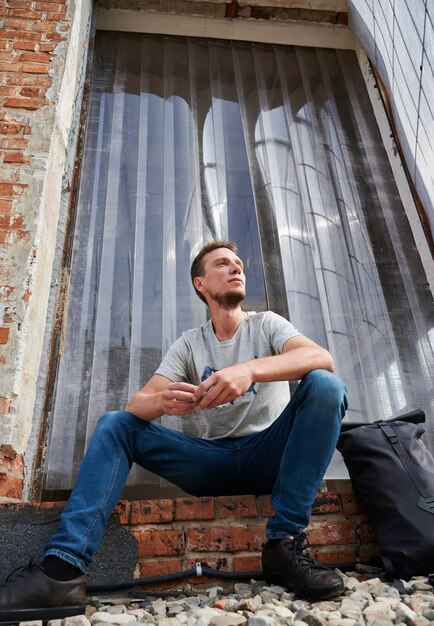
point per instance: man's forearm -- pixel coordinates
(292, 365)
(145, 406)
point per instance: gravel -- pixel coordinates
(368, 600)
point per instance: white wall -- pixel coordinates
(398, 37)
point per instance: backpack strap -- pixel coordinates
(426, 501)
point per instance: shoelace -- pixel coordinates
(19, 572)
(298, 545)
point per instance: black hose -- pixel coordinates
(196, 571)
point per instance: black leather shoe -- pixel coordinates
(289, 565)
(28, 594)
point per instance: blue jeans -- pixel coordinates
(288, 460)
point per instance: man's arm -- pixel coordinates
(300, 356)
(159, 397)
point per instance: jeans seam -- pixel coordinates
(91, 526)
(281, 472)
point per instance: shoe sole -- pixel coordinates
(308, 594)
(9, 618)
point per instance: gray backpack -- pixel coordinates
(392, 472)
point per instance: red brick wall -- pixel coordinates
(29, 34)
(226, 533)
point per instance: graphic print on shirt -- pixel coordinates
(210, 370)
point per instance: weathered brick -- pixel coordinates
(350, 504)
(25, 103)
(7, 91)
(333, 532)
(159, 542)
(35, 57)
(47, 47)
(58, 504)
(148, 568)
(194, 508)
(366, 532)
(218, 562)
(151, 511)
(21, 34)
(122, 509)
(24, 45)
(11, 486)
(335, 555)
(6, 206)
(4, 405)
(236, 506)
(50, 6)
(11, 189)
(18, 24)
(31, 92)
(35, 68)
(264, 505)
(15, 142)
(367, 551)
(247, 563)
(20, 4)
(326, 502)
(4, 334)
(225, 539)
(15, 157)
(7, 66)
(12, 465)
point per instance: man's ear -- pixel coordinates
(199, 284)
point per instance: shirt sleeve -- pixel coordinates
(279, 330)
(175, 364)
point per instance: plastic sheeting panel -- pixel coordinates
(274, 147)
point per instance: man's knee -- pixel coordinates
(113, 421)
(328, 386)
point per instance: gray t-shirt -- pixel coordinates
(198, 353)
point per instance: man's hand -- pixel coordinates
(178, 399)
(223, 386)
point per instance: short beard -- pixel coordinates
(229, 300)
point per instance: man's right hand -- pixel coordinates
(177, 399)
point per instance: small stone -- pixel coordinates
(428, 613)
(361, 598)
(248, 604)
(287, 596)
(158, 607)
(314, 620)
(243, 590)
(76, 620)
(420, 621)
(269, 596)
(214, 591)
(53, 622)
(139, 614)
(193, 601)
(342, 621)
(228, 619)
(422, 586)
(34, 622)
(404, 613)
(326, 605)
(275, 589)
(117, 609)
(221, 603)
(174, 609)
(262, 620)
(108, 618)
(168, 621)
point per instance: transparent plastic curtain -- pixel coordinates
(274, 147)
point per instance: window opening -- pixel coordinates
(275, 147)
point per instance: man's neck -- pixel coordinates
(225, 321)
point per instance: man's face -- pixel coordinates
(223, 279)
